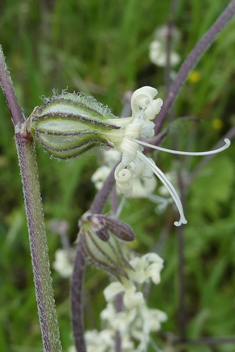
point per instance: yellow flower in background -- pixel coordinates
(217, 124)
(194, 77)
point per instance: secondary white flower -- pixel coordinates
(158, 56)
(100, 341)
(100, 175)
(157, 49)
(148, 320)
(131, 298)
(134, 163)
(118, 321)
(147, 266)
(63, 262)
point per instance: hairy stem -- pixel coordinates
(38, 245)
(35, 219)
(9, 92)
(192, 60)
(79, 270)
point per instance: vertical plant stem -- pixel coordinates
(38, 244)
(35, 219)
(192, 60)
(76, 300)
(79, 269)
(9, 92)
(118, 339)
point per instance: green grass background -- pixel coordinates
(101, 48)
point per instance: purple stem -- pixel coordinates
(192, 60)
(103, 194)
(76, 300)
(79, 269)
(118, 339)
(9, 92)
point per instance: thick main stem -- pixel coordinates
(35, 219)
(38, 245)
(9, 92)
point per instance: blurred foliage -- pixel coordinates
(101, 48)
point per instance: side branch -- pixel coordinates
(79, 269)
(192, 60)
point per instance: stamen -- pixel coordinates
(227, 144)
(168, 185)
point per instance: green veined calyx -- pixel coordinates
(69, 125)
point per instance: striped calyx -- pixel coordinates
(103, 241)
(70, 124)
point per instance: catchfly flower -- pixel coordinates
(68, 125)
(134, 163)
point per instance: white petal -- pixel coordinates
(123, 179)
(142, 98)
(168, 185)
(154, 109)
(133, 299)
(112, 290)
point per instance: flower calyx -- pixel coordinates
(103, 241)
(69, 125)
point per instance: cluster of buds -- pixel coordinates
(69, 125)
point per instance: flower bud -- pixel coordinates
(69, 125)
(102, 241)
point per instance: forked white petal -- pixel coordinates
(168, 185)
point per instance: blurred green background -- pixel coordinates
(102, 48)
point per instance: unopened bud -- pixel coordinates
(102, 239)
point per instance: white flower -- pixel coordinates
(111, 157)
(148, 320)
(118, 321)
(131, 298)
(147, 266)
(143, 188)
(127, 344)
(99, 341)
(157, 49)
(152, 318)
(63, 262)
(134, 163)
(158, 56)
(100, 175)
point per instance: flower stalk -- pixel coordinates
(191, 61)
